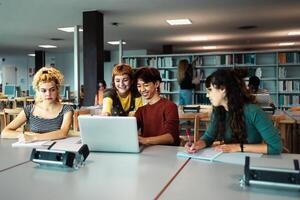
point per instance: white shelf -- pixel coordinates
(267, 60)
(169, 80)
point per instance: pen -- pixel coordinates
(187, 133)
(51, 145)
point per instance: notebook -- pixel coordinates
(210, 154)
(109, 134)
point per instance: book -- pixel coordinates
(208, 154)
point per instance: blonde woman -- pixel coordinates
(186, 82)
(46, 119)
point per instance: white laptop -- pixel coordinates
(109, 134)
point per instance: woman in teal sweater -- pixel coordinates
(236, 121)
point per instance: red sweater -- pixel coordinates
(158, 119)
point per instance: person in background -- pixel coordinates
(253, 86)
(262, 97)
(236, 120)
(47, 119)
(186, 82)
(158, 120)
(99, 95)
(81, 97)
(121, 99)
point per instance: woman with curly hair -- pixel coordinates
(236, 120)
(47, 118)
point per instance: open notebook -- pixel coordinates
(209, 154)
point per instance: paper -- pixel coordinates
(68, 144)
(31, 144)
(204, 154)
(211, 155)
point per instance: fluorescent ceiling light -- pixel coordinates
(209, 47)
(286, 43)
(47, 46)
(115, 42)
(175, 22)
(69, 29)
(31, 54)
(294, 33)
(199, 38)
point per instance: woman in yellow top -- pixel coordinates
(122, 98)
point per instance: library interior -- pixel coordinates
(123, 99)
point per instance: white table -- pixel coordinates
(215, 180)
(11, 157)
(105, 176)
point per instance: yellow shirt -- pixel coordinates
(125, 102)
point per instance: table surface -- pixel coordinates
(130, 176)
(105, 176)
(213, 180)
(12, 156)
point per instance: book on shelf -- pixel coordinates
(289, 100)
(281, 58)
(164, 62)
(249, 59)
(289, 86)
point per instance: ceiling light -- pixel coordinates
(115, 42)
(175, 22)
(31, 54)
(209, 47)
(47, 46)
(69, 29)
(199, 38)
(294, 33)
(286, 43)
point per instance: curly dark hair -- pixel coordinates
(237, 96)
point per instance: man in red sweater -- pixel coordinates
(158, 120)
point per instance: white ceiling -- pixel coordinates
(24, 24)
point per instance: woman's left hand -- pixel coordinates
(227, 148)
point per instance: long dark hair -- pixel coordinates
(237, 96)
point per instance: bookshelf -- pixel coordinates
(279, 71)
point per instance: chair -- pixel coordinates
(283, 129)
(9, 114)
(75, 117)
(294, 108)
(197, 118)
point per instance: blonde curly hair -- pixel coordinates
(47, 74)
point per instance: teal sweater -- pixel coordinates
(259, 128)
